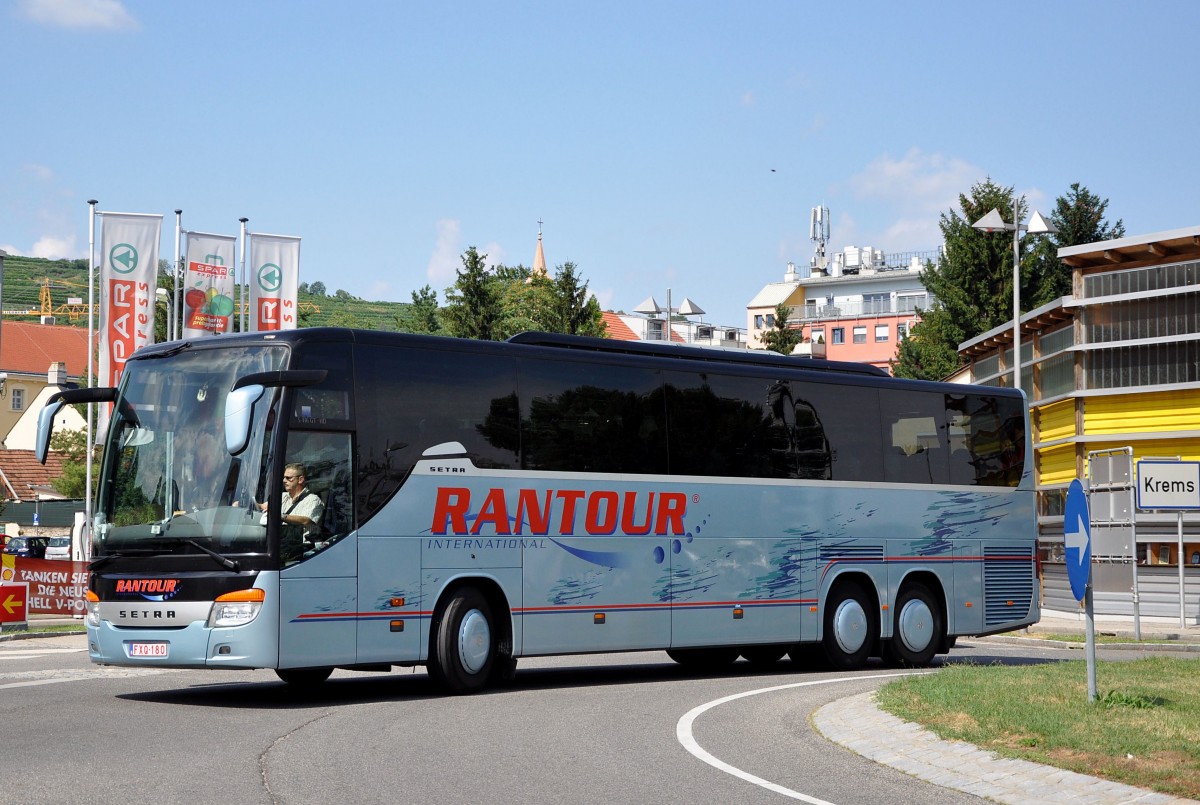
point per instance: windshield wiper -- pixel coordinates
(224, 561)
(104, 560)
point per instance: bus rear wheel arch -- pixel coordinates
(918, 630)
(851, 627)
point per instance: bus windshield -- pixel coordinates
(168, 484)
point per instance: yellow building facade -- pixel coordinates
(1114, 365)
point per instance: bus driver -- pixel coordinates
(301, 509)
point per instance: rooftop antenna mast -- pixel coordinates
(818, 233)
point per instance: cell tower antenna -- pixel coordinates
(819, 234)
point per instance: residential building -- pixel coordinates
(857, 308)
(1114, 365)
(33, 357)
(641, 327)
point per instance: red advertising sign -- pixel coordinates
(13, 598)
(55, 587)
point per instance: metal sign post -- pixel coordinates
(1077, 535)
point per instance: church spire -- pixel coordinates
(539, 258)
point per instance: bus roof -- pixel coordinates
(716, 354)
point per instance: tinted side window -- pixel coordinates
(410, 400)
(849, 417)
(987, 440)
(729, 425)
(915, 448)
(578, 416)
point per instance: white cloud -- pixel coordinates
(39, 172)
(919, 181)
(108, 15)
(443, 264)
(913, 192)
(53, 248)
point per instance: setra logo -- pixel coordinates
(149, 589)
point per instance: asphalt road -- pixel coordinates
(617, 728)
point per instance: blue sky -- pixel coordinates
(663, 145)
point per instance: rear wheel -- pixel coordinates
(851, 629)
(918, 631)
(303, 677)
(463, 651)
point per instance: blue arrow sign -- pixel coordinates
(1077, 533)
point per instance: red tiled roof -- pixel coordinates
(617, 329)
(31, 348)
(21, 468)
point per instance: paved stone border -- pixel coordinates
(859, 725)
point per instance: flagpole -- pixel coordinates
(245, 290)
(173, 331)
(86, 548)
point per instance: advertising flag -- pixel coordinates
(274, 277)
(209, 280)
(128, 279)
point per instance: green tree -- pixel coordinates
(971, 286)
(1079, 217)
(930, 352)
(781, 338)
(575, 311)
(473, 304)
(73, 446)
(422, 315)
(317, 288)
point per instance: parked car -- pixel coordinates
(58, 548)
(32, 547)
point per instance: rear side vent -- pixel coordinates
(1008, 584)
(844, 553)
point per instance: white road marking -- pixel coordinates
(683, 732)
(15, 654)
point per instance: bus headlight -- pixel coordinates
(93, 609)
(237, 608)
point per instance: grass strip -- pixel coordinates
(1143, 730)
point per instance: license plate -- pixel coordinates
(147, 649)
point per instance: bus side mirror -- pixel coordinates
(239, 406)
(45, 428)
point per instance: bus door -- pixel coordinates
(318, 584)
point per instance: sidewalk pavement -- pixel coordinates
(859, 725)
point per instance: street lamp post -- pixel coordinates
(686, 308)
(1037, 226)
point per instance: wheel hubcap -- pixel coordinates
(850, 626)
(916, 625)
(474, 641)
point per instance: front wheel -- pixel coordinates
(851, 628)
(918, 630)
(464, 643)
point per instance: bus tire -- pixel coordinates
(851, 630)
(917, 632)
(704, 659)
(763, 656)
(303, 677)
(464, 643)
